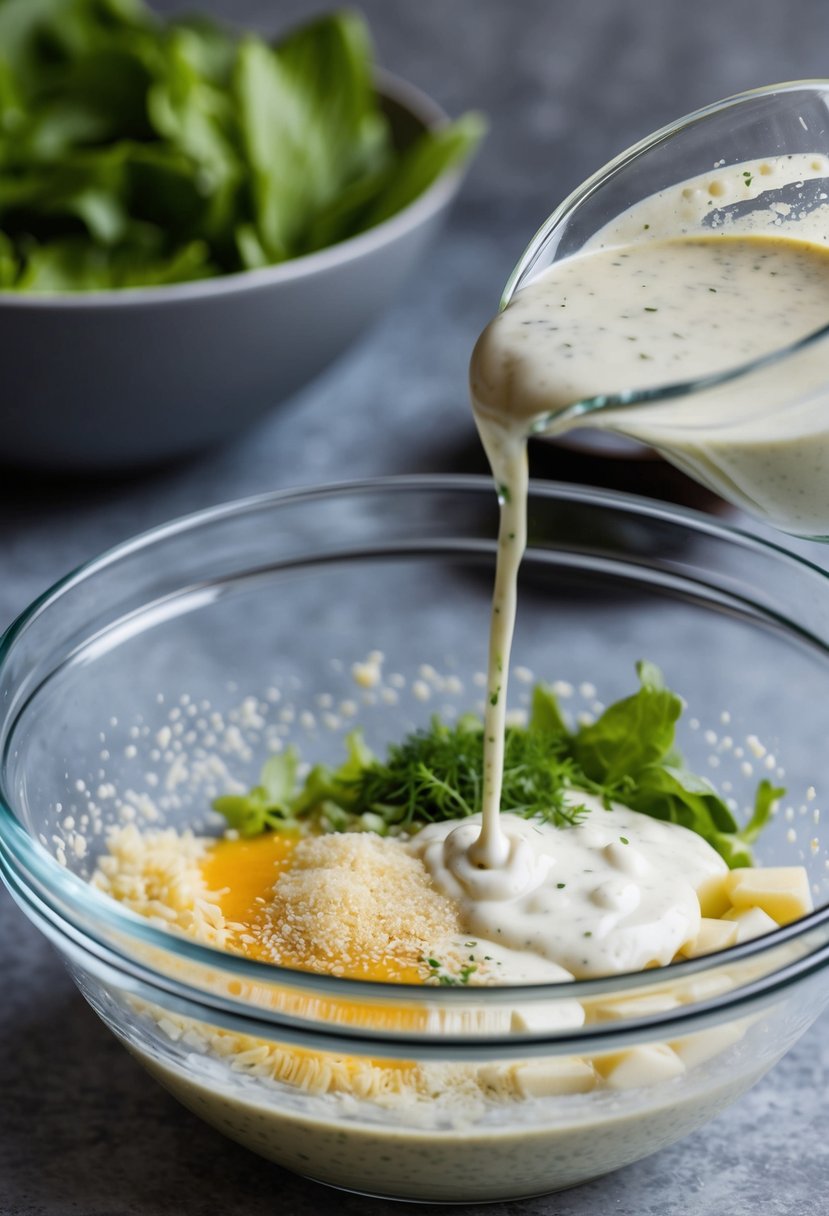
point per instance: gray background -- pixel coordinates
(565, 85)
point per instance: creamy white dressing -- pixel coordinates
(658, 313)
(615, 892)
(496, 963)
(761, 440)
(534, 358)
(507, 454)
(681, 287)
(651, 314)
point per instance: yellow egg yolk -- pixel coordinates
(241, 874)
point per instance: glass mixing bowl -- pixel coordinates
(165, 671)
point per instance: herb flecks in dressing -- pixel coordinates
(578, 896)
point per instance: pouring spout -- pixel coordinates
(559, 421)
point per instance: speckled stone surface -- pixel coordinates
(82, 1129)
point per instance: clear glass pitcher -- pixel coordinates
(759, 159)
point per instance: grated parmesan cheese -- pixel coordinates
(357, 899)
(157, 874)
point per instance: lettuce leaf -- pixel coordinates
(70, 264)
(431, 155)
(111, 120)
(631, 734)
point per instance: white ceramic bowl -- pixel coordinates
(119, 379)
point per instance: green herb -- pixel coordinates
(436, 775)
(136, 152)
(437, 971)
(627, 755)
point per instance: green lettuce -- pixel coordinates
(137, 152)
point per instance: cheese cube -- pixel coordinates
(639, 1066)
(547, 1078)
(713, 896)
(547, 1015)
(704, 987)
(781, 891)
(751, 922)
(713, 935)
(632, 1007)
(705, 1044)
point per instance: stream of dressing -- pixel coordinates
(690, 300)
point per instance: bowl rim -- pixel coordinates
(429, 202)
(23, 857)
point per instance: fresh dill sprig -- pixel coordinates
(436, 774)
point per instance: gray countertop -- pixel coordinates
(82, 1129)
